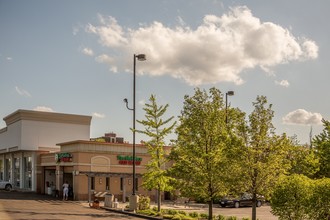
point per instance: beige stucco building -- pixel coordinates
(96, 167)
(39, 151)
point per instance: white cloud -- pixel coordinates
(302, 117)
(43, 109)
(88, 51)
(98, 115)
(284, 83)
(9, 58)
(22, 92)
(111, 62)
(218, 50)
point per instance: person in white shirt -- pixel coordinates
(65, 190)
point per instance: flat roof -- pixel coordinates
(31, 115)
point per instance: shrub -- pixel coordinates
(172, 212)
(193, 214)
(245, 218)
(203, 215)
(231, 218)
(291, 196)
(221, 217)
(182, 212)
(319, 205)
(167, 216)
(176, 217)
(144, 203)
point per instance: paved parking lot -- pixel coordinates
(25, 205)
(18, 205)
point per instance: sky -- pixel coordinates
(76, 57)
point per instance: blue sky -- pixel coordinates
(77, 56)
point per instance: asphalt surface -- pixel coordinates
(27, 205)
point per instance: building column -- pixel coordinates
(59, 179)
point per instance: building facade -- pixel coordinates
(93, 167)
(39, 151)
(27, 135)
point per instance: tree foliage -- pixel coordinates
(156, 128)
(198, 155)
(264, 154)
(322, 150)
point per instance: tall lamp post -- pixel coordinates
(139, 57)
(229, 93)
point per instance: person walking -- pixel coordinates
(65, 190)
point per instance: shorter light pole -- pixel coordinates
(229, 93)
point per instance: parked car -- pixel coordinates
(244, 200)
(5, 185)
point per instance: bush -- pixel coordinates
(167, 216)
(290, 199)
(231, 218)
(221, 217)
(245, 218)
(193, 214)
(172, 212)
(182, 212)
(144, 203)
(203, 215)
(319, 205)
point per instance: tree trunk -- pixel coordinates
(254, 206)
(159, 199)
(210, 209)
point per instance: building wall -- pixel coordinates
(27, 135)
(101, 161)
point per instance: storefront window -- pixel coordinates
(107, 183)
(16, 172)
(121, 183)
(27, 166)
(92, 183)
(8, 169)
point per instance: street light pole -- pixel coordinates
(229, 93)
(139, 57)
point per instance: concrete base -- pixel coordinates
(133, 202)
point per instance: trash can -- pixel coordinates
(108, 200)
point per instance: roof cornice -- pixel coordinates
(47, 117)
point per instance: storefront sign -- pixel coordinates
(128, 160)
(63, 157)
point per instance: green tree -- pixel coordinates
(303, 161)
(155, 127)
(264, 156)
(291, 197)
(198, 154)
(322, 150)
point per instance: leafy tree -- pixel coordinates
(291, 197)
(264, 156)
(322, 149)
(199, 162)
(155, 127)
(303, 161)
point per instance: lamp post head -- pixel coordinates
(141, 57)
(125, 100)
(230, 93)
